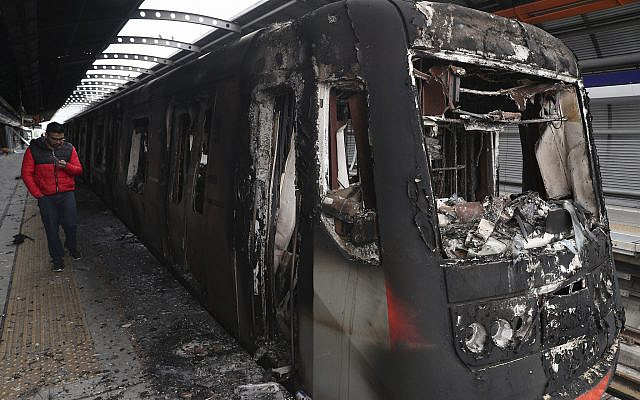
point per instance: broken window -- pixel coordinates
(201, 170)
(183, 143)
(349, 204)
(137, 172)
(465, 109)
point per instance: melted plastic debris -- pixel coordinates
(508, 225)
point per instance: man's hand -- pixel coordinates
(61, 163)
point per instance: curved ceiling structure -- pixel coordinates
(51, 48)
(157, 32)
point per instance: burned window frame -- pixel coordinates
(137, 166)
(358, 240)
(209, 129)
(182, 139)
(449, 108)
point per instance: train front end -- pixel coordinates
(495, 288)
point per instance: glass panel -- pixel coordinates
(126, 62)
(173, 30)
(119, 81)
(113, 72)
(146, 49)
(219, 9)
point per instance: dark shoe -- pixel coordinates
(75, 254)
(57, 268)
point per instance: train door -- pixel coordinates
(274, 213)
(183, 133)
(197, 242)
(210, 205)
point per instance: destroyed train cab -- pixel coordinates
(490, 294)
(329, 188)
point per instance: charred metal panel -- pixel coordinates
(476, 280)
(422, 359)
(521, 311)
(326, 27)
(217, 219)
(478, 35)
(350, 337)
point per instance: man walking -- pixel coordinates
(48, 170)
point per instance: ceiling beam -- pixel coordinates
(151, 41)
(123, 20)
(597, 25)
(549, 10)
(186, 17)
(631, 60)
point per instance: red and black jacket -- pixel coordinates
(40, 174)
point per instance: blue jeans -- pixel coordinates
(55, 210)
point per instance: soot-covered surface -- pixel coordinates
(152, 337)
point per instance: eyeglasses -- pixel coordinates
(55, 139)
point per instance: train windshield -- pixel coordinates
(466, 110)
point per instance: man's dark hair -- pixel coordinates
(55, 127)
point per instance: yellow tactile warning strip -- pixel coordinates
(45, 340)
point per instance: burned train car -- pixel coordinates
(333, 183)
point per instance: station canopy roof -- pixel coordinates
(149, 41)
(70, 55)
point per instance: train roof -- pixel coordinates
(451, 31)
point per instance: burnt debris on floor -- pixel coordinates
(182, 351)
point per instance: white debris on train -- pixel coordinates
(509, 225)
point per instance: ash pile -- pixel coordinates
(510, 225)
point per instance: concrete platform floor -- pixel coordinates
(114, 325)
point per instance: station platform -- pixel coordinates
(113, 325)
